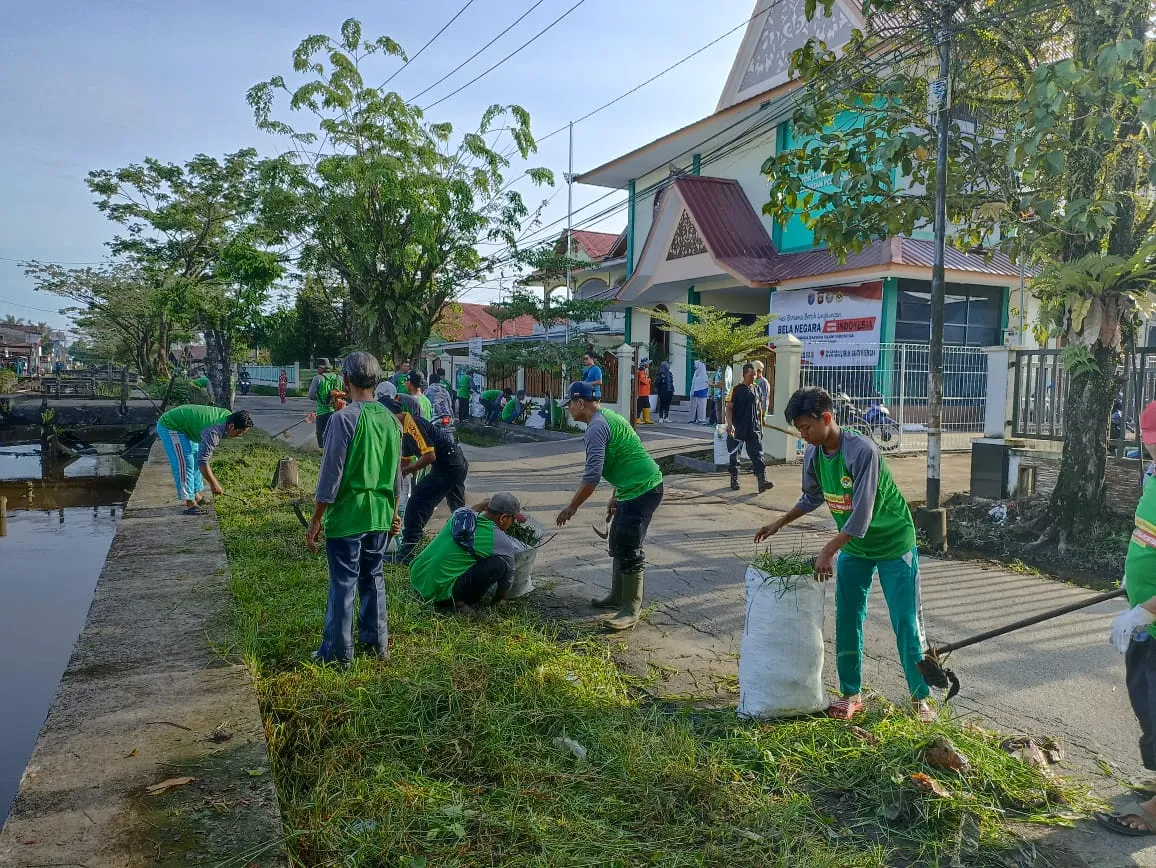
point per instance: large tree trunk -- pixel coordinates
(218, 354)
(1079, 493)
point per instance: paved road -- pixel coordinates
(1059, 678)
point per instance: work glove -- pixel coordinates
(1127, 624)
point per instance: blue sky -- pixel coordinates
(88, 84)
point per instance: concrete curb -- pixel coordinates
(148, 697)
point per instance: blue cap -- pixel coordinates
(581, 390)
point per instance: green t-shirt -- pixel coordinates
(192, 419)
(628, 466)
(328, 383)
(463, 385)
(426, 406)
(891, 532)
(491, 394)
(1140, 565)
(510, 410)
(434, 571)
(365, 499)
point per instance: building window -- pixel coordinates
(972, 315)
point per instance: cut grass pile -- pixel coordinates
(451, 754)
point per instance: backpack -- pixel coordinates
(463, 528)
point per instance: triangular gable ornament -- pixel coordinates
(776, 30)
(686, 241)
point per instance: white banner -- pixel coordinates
(838, 325)
(477, 357)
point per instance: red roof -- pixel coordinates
(738, 242)
(462, 321)
(596, 245)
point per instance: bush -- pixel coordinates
(7, 380)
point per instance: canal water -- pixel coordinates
(61, 521)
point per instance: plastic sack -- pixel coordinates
(536, 420)
(722, 455)
(781, 657)
(524, 561)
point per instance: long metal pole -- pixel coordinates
(938, 285)
(570, 213)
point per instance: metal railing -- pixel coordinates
(898, 377)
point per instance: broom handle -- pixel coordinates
(1027, 622)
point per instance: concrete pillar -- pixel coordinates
(997, 412)
(521, 379)
(625, 354)
(296, 381)
(788, 360)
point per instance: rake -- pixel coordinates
(931, 667)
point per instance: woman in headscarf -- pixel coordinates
(699, 387)
(664, 386)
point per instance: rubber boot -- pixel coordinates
(735, 481)
(627, 617)
(764, 485)
(646, 416)
(614, 599)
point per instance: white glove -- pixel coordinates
(1127, 624)
(1124, 581)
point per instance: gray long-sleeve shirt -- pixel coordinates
(338, 436)
(597, 438)
(861, 458)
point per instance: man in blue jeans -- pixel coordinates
(356, 501)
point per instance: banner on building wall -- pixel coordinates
(838, 325)
(477, 355)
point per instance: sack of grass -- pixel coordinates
(527, 536)
(781, 658)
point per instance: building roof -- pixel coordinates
(596, 245)
(737, 241)
(462, 321)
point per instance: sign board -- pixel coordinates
(838, 325)
(477, 358)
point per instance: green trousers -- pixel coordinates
(900, 580)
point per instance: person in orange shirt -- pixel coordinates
(644, 393)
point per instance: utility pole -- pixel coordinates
(935, 518)
(570, 213)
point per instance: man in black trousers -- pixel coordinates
(425, 445)
(744, 428)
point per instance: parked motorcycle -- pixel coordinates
(874, 422)
(244, 383)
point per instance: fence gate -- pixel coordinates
(896, 376)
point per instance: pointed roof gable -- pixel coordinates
(777, 28)
(596, 245)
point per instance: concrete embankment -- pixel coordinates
(151, 695)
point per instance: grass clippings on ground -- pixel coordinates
(459, 750)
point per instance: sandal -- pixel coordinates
(1119, 824)
(1146, 789)
(845, 708)
(923, 710)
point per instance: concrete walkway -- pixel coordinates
(148, 697)
(1059, 679)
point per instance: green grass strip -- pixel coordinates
(445, 755)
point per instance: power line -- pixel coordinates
(28, 306)
(52, 261)
(517, 50)
(517, 21)
(432, 39)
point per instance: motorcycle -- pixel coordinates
(244, 383)
(874, 422)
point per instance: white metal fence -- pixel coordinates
(896, 377)
(268, 375)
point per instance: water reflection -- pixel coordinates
(61, 521)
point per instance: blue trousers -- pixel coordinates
(900, 580)
(182, 454)
(355, 565)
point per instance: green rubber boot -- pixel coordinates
(614, 599)
(631, 609)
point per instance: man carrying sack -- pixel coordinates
(744, 428)
(470, 556)
(614, 453)
(356, 501)
(876, 532)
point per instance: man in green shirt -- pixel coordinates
(512, 409)
(463, 394)
(356, 503)
(415, 385)
(492, 400)
(875, 533)
(189, 434)
(325, 389)
(449, 575)
(400, 377)
(614, 453)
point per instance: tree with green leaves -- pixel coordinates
(717, 336)
(1050, 159)
(195, 232)
(392, 204)
(126, 316)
